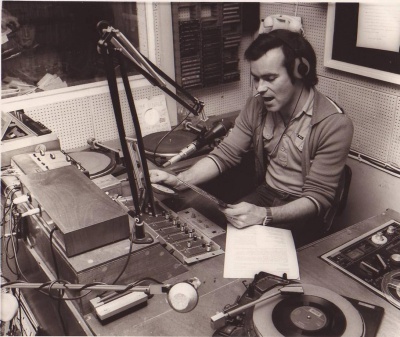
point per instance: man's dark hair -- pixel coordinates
(293, 45)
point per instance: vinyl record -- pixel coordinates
(391, 287)
(315, 313)
(308, 315)
(98, 164)
(163, 189)
(170, 145)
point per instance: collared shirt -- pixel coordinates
(284, 148)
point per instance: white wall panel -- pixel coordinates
(372, 113)
(394, 150)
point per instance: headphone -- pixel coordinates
(301, 65)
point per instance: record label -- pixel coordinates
(308, 318)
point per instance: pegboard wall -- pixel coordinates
(373, 105)
(76, 120)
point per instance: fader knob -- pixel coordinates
(395, 260)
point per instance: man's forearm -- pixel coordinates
(201, 172)
(300, 209)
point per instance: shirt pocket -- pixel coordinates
(283, 149)
(298, 140)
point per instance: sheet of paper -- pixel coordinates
(4, 34)
(259, 248)
(379, 27)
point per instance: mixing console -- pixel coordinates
(187, 234)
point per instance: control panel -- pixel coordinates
(373, 259)
(42, 160)
(187, 234)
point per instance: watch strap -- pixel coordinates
(268, 218)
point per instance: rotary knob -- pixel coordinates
(379, 238)
(390, 230)
(41, 148)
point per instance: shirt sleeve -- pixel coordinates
(230, 151)
(334, 141)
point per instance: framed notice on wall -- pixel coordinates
(364, 39)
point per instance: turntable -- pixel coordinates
(273, 306)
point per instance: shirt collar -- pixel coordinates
(308, 105)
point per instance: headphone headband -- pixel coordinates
(302, 66)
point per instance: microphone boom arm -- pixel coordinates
(145, 67)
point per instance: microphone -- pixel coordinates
(219, 130)
(9, 307)
(183, 296)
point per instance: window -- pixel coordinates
(55, 44)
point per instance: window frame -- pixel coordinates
(352, 68)
(147, 46)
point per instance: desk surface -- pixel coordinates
(158, 319)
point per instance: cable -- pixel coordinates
(14, 245)
(50, 284)
(53, 254)
(161, 140)
(126, 262)
(20, 312)
(288, 124)
(10, 197)
(13, 224)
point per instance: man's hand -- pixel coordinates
(244, 214)
(159, 176)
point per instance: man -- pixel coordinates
(27, 60)
(8, 21)
(300, 138)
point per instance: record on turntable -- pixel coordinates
(97, 163)
(317, 312)
(170, 145)
(275, 306)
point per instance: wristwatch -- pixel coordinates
(268, 218)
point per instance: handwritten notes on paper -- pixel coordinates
(259, 248)
(379, 27)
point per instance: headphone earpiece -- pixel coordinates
(301, 67)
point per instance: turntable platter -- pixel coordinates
(170, 145)
(319, 312)
(98, 164)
